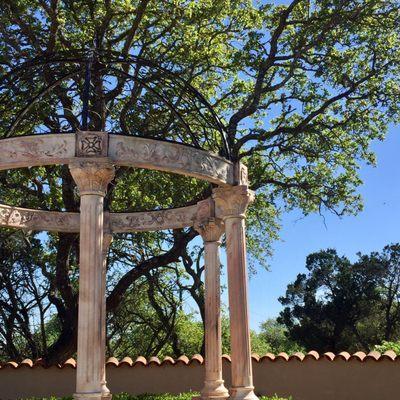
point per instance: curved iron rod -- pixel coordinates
(79, 58)
(165, 101)
(36, 98)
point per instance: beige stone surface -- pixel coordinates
(211, 230)
(29, 151)
(54, 221)
(92, 179)
(170, 157)
(25, 151)
(174, 218)
(230, 206)
(23, 218)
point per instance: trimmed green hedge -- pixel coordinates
(125, 396)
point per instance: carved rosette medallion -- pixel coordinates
(92, 177)
(91, 144)
(231, 202)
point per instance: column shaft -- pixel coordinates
(231, 204)
(107, 239)
(89, 372)
(238, 304)
(92, 179)
(213, 384)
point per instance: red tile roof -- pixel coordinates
(198, 359)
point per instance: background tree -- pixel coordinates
(302, 89)
(339, 305)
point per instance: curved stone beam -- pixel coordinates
(57, 221)
(130, 151)
(170, 157)
(30, 151)
(38, 220)
(173, 218)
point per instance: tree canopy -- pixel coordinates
(339, 305)
(302, 89)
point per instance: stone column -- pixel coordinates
(92, 179)
(107, 239)
(211, 230)
(231, 204)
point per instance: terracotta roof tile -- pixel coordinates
(154, 360)
(375, 355)
(69, 363)
(197, 358)
(183, 360)
(344, 355)
(112, 361)
(140, 360)
(26, 363)
(282, 356)
(226, 357)
(268, 356)
(390, 354)
(126, 361)
(168, 360)
(297, 356)
(312, 355)
(359, 356)
(330, 356)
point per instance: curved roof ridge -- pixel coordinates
(312, 355)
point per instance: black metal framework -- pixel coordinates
(92, 90)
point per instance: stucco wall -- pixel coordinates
(309, 379)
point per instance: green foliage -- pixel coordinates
(386, 346)
(303, 89)
(339, 305)
(182, 396)
(276, 336)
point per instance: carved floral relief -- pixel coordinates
(174, 157)
(153, 220)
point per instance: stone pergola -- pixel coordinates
(92, 157)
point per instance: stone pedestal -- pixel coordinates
(231, 204)
(92, 179)
(211, 231)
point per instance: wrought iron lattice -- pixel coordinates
(92, 90)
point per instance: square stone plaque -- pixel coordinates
(91, 144)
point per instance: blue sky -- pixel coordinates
(371, 230)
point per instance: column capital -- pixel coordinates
(92, 177)
(232, 201)
(210, 230)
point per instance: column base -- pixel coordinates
(213, 390)
(105, 392)
(88, 396)
(242, 393)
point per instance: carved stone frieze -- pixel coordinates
(232, 201)
(25, 151)
(91, 144)
(171, 157)
(153, 220)
(35, 150)
(16, 217)
(240, 174)
(92, 177)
